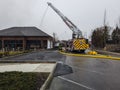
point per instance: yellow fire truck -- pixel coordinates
(78, 42)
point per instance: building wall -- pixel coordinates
(49, 44)
(27, 42)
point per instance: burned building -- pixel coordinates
(24, 38)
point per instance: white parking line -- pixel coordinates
(75, 83)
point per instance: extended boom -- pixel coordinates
(76, 32)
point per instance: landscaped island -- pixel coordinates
(22, 80)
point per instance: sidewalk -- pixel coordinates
(27, 67)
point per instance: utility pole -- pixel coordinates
(104, 18)
(104, 41)
(54, 36)
(119, 22)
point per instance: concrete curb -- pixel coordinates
(108, 53)
(92, 56)
(49, 79)
(5, 57)
(26, 61)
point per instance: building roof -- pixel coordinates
(23, 31)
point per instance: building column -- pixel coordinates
(51, 44)
(2, 43)
(24, 44)
(48, 44)
(3, 47)
(42, 44)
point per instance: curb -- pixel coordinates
(108, 53)
(92, 56)
(26, 61)
(16, 55)
(49, 79)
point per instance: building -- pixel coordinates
(24, 38)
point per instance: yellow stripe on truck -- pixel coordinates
(80, 44)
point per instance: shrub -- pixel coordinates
(21, 81)
(1, 54)
(6, 53)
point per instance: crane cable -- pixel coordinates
(43, 17)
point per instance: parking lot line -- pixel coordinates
(68, 80)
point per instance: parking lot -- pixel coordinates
(88, 73)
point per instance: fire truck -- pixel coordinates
(78, 42)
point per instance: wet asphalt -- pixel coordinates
(88, 73)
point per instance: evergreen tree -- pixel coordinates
(116, 35)
(100, 36)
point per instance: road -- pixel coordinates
(88, 73)
(39, 55)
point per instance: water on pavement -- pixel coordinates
(88, 73)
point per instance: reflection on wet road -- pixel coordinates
(89, 74)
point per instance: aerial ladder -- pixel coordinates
(78, 42)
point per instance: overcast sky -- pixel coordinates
(86, 14)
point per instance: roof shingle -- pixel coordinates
(23, 31)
